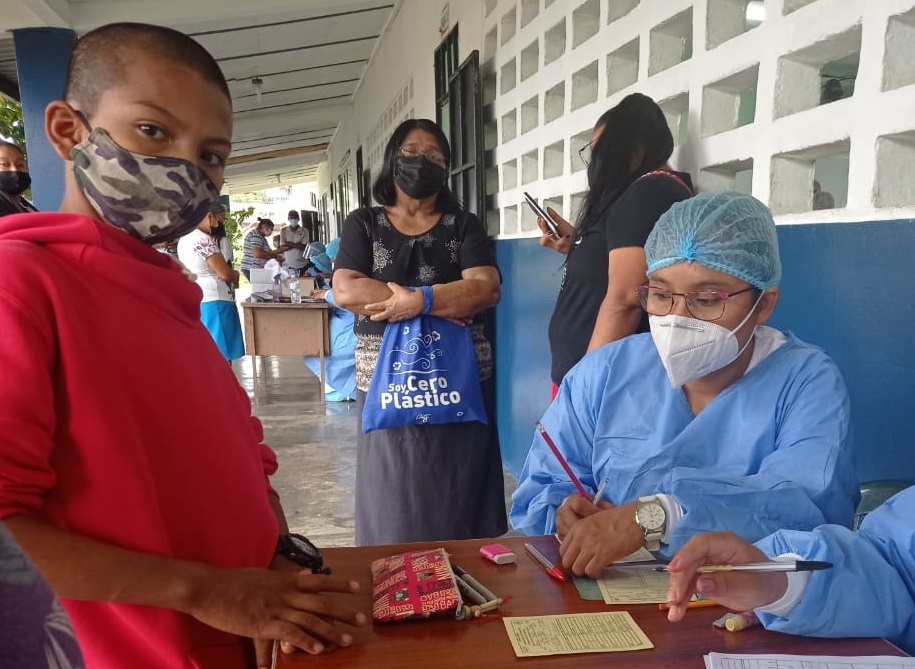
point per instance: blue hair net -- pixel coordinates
(730, 232)
(332, 248)
(322, 262)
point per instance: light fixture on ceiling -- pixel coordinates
(258, 84)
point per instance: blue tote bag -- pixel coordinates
(426, 374)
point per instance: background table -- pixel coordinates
(282, 328)
(483, 643)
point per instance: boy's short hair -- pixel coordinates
(97, 63)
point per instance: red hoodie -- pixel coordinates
(120, 420)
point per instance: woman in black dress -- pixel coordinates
(421, 482)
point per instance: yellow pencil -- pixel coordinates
(692, 604)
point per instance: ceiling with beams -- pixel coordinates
(292, 66)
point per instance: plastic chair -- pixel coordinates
(875, 493)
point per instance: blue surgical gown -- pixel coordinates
(870, 591)
(771, 451)
(340, 365)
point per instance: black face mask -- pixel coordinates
(14, 183)
(418, 177)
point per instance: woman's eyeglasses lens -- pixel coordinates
(585, 153)
(706, 305)
(432, 156)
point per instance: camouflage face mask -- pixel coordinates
(153, 199)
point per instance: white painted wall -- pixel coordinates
(399, 81)
(572, 53)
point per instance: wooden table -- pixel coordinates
(282, 328)
(483, 643)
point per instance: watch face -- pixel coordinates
(651, 516)
(300, 550)
(305, 546)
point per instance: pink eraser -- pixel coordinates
(498, 553)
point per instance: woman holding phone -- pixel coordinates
(630, 185)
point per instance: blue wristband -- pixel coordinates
(427, 298)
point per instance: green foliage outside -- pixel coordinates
(11, 125)
(234, 221)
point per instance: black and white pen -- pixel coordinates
(793, 565)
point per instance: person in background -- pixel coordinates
(169, 248)
(315, 258)
(822, 199)
(219, 234)
(869, 592)
(131, 470)
(421, 482)
(340, 365)
(630, 184)
(14, 180)
(257, 250)
(713, 421)
(199, 252)
(295, 238)
(35, 632)
(832, 91)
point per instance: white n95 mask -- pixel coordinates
(691, 348)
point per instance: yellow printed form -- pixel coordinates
(633, 585)
(532, 636)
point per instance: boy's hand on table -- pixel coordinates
(275, 604)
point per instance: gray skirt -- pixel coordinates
(430, 482)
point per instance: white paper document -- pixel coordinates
(729, 661)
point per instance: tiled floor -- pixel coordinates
(316, 449)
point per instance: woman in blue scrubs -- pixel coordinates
(713, 421)
(870, 591)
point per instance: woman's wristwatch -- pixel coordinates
(651, 517)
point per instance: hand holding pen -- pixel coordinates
(737, 589)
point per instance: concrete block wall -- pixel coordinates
(743, 104)
(742, 97)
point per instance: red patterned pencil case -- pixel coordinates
(417, 584)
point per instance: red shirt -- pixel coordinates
(121, 421)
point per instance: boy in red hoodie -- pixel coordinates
(131, 470)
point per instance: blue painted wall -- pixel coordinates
(846, 287)
(41, 58)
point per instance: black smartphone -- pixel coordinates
(541, 212)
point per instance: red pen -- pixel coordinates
(551, 569)
(562, 461)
